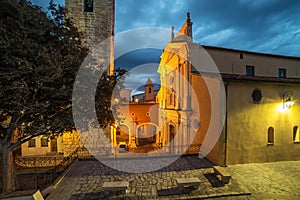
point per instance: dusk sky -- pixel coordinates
(267, 26)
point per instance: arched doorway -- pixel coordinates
(171, 137)
(147, 134)
(122, 134)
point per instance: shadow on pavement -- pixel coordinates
(175, 191)
(213, 180)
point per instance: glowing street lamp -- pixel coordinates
(287, 100)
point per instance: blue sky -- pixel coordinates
(268, 26)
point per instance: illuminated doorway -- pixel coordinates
(146, 134)
(171, 136)
(122, 134)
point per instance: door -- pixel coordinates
(171, 136)
(53, 145)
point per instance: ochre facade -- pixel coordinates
(255, 96)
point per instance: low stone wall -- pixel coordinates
(42, 161)
(193, 149)
(71, 142)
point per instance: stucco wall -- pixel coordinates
(38, 149)
(208, 93)
(248, 124)
(229, 61)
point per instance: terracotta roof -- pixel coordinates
(250, 52)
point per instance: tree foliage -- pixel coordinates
(39, 59)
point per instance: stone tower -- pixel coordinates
(149, 91)
(95, 20)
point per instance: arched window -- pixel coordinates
(171, 131)
(296, 137)
(171, 99)
(270, 135)
(88, 5)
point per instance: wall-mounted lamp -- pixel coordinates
(287, 100)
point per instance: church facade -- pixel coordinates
(255, 97)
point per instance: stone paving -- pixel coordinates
(85, 179)
(278, 180)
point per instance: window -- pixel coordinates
(149, 90)
(171, 99)
(88, 5)
(281, 73)
(172, 131)
(241, 56)
(249, 70)
(196, 124)
(256, 96)
(31, 143)
(296, 137)
(44, 142)
(172, 79)
(270, 135)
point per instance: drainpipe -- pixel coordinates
(226, 126)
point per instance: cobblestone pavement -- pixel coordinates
(85, 179)
(278, 180)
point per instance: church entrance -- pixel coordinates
(122, 134)
(171, 136)
(147, 134)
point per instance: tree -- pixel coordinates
(40, 56)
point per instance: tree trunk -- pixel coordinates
(9, 177)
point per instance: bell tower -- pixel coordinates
(95, 20)
(149, 91)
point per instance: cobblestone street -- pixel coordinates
(278, 180)
(264, 181)
(86, 177)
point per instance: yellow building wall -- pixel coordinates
(248, 123)
(38, 150)
(204, 102)
(210, 123)
(133, 115)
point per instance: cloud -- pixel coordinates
(220, 36)
(267, 26)
(139, 75)
(140, 38)
(248, 22)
